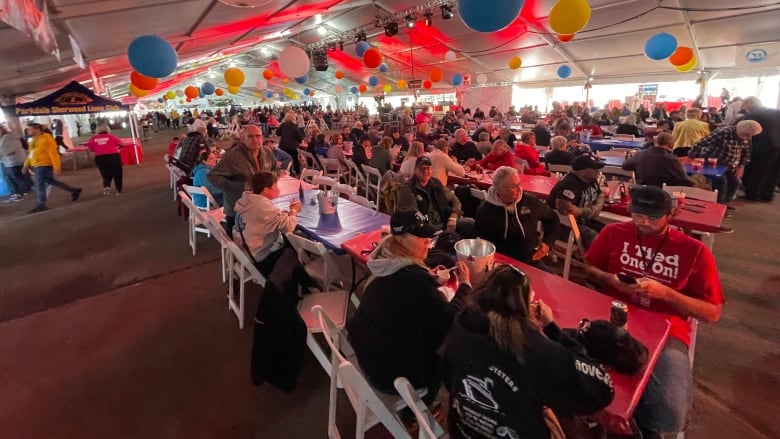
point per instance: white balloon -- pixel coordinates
(179, 93)
(339, 89)
(481, 78)
(294, 62)
(276, 95)
(450, 56)
(261, 84)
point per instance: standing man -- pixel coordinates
(689, 131)
(761, 174)
(731, 146)
(12, 157)
(578, 194)
(233, 174)
(671, 274)
(45, 163)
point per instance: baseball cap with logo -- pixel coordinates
(411, 221)
(585, 161)
(423, 161)
(649, 200)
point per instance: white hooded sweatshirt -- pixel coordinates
(263, 225)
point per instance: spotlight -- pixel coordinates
(428, 18)
(361, 36)
(391, 29)
(409, 21)
(446, 12)
(321, 30)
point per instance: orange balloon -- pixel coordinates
(311, 94)
(143, 82)
(189, 99)
(435, 74)
(372, 58)
(137, 92)
(681, 56)
(339, 74)
(219, 92)
(564, 38)
(427, 84)
(191, 92)
(268, 74)
(362, 88)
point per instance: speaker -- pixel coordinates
(320, 60)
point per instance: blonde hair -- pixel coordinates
(415, 148)
(290, 117)
(424, 128)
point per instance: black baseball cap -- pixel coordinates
(411, 221)
(423, 161)
(649, 200)
(585, 161)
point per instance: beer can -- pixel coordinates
(618, 313)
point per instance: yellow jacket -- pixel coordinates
(689, 131)
(43, 152)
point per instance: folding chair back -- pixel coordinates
(355, 175)
(573, 243)
(479, 194)
(221, 236)
(619, 173)
(211, 203)
(325, 183)
(244, 270)
(317, 261)
(429, 427)
(332, 168)
(373, 179)
(309, 159)
(344, 189)
(308, 175)
(359, 199)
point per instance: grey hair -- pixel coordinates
(751, 127)
(558, 142)
(631, 119)
(503, 174)
(459, 131)
(103, 128)
(483, 136)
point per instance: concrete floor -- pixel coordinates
(109, 327)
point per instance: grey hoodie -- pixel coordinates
(263, 225)
(382, 263)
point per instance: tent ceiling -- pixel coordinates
(209, 30)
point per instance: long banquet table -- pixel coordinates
(538, 185)
(570, 303)
(607, 144)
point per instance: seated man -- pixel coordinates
(484, 146)
(526, 150)
(508, 219)
(464, 150)
(260, 225)
(559, 154)
(657, 165)
(588, 124)
(500, 156)
(673, 275)
(427, 195)
(282, 158)
(578, 194)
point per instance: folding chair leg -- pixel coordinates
(569, 254)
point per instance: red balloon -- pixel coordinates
(681, 56)
(143, 82)
(563, 38)
(339, 74)
(219, 92)
(191, 92)
(427, 84)
(435, 74)
(372, 58)
(362, 88)
(268, 74)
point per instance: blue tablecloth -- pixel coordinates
(715, 174)
(607, 144)
(332, 230)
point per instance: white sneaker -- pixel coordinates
(106, 191)
(13, 199)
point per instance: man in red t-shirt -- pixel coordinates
(588, 124)
(670, 273)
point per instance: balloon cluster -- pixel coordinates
(664, 46)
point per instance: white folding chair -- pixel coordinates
(335, 303)
(429, 427)
(695, 193)
(308, 175)
(324, 182)
(309, 159)
(359, 199)
(563, 169)
(245, 271)
(370, 407)
(211, 203)
(317, 261)
(196, 220)
(333, 168)
(221, 236)
(356, 176)
(521, 165)
(372, 174)
(478, 193)
(175, 174)
(344, 189)
(573, 243)
(619, 173)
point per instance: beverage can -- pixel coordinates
(618, 313)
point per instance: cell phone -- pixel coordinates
(625, 278)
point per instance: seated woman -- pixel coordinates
(320, 146)
(407, 166)
(382, 155)
(260, 225)
(497, 344)
(206, 162)
(402, 318)
(498, 157)
(526, 150)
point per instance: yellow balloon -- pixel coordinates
(286, 90)
(569, 16)
(687, 67)
(285, 80)
(515, 62)
(170, 95)
(234, 77)
(257, 95)
(135, 91)
(233, 90)
(401, 84)
(387, 88)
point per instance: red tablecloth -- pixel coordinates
(538, 185)
(570, 303)
(129, 150)
(709, 219)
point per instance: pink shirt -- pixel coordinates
(102, 144)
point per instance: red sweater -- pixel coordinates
(493, 161)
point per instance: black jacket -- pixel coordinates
(400, 324)
(290, 136)
(434, 200)
(515, 233)
(495, 394)
(655, 166)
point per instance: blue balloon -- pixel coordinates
(302, 79)
(373, 81)
(201, 94)
(354, 90)
(306, 91)
(457, 79)
(152, 56)
(361, 47)
(383, 67)
(564, 71)
(208, 88)
(499, 15)
(660, 46)
(269, 94)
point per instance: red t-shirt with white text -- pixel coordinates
(679, 262)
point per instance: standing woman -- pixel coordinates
(106, 146)
(290, 137)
